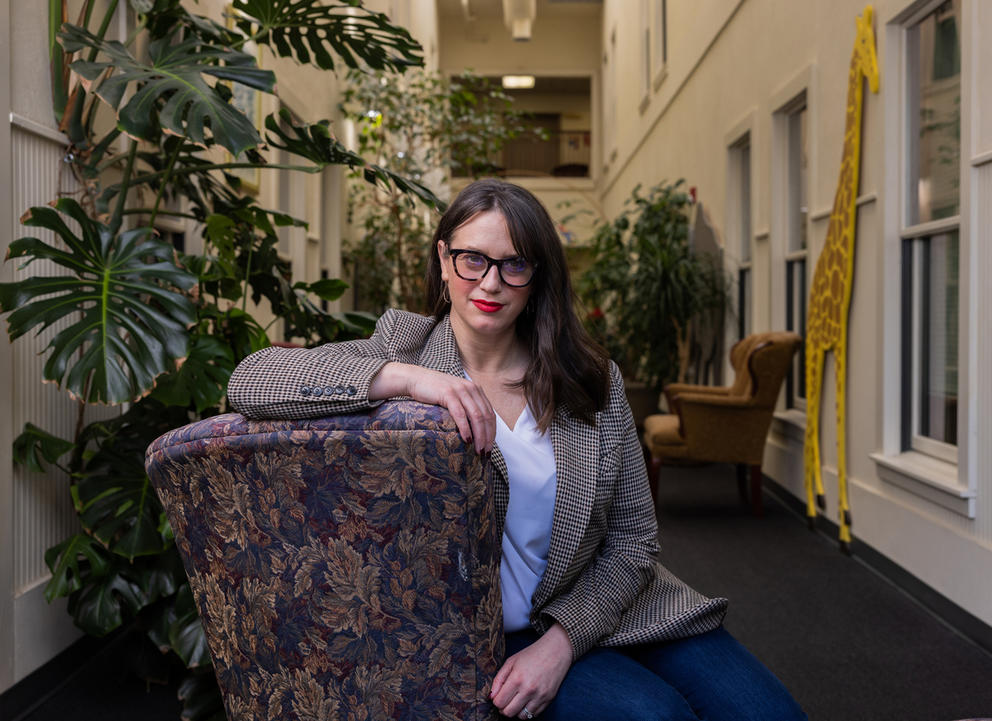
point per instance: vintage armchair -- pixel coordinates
(725, 424)
(343, 567)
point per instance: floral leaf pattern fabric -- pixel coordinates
(344, 567)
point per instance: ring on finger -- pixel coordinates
(527, 714)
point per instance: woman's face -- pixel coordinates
(486, 306)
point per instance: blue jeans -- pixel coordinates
(708, 677)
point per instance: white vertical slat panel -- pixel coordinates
(43, 513)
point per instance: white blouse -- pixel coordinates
(530, 465)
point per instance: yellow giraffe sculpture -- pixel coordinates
(830, 291)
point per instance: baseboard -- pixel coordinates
(949, 613)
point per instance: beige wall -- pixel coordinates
(561, 45)
(731, 65)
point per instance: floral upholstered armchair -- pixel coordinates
(344, 568)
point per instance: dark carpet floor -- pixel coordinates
(847, 643)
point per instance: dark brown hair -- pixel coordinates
(567, 368)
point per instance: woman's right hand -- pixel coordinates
(466, 402)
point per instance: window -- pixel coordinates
(740, 225)
(645, 55)
(610, 100)
(930, 232)
(796, 214)
(659, 50)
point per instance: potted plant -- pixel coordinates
(646, 291)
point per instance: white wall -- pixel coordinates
(731, 65)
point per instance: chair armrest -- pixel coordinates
(672, 390)
(726, 429)
(713, 400)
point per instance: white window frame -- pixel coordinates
(918, 233)
(914, 237)
(936, 476)
(645, 57)
(610, 99)
(740, 219)
(659, 44)
(796, 299)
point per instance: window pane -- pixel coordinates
(938, 330)
(663, 31)
(744, 302)
(645, 49)
(797, 180)
(795, 320)
(745, 200)
(935, 114)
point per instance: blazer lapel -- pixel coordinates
(576, 447)
(440, 352)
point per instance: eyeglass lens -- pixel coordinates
(471, 266)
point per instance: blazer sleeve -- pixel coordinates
(291, 383)
(624, 563)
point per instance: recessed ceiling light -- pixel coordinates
(518, 82)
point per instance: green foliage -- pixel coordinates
(35, 445)
(130, 319)
(201, 702)
(299, 29)
(645, 286)
(125, 288)
(420, 125)
(316, 144)
(171, 93)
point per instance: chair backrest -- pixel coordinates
(768, 362)
(738, 361)
(344, 567)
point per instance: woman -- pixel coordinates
(595, 627)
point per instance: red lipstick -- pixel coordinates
(486, 307)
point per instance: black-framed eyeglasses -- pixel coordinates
(473, 265)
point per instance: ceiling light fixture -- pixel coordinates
(518, 15)
(518, 82)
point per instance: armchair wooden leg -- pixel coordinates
(654, 469)
(756, 507)
(742, 483)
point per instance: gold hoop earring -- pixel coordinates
(445, 295)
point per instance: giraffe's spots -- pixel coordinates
(835, 285)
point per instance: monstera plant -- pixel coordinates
(136, 323)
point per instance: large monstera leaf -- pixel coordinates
(202, 379)
(316, 143)
(131, 323)
(306, 30)
(105, 589)
(169, 91)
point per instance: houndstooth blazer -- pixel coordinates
(603, 582)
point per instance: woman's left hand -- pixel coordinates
(530, 679)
